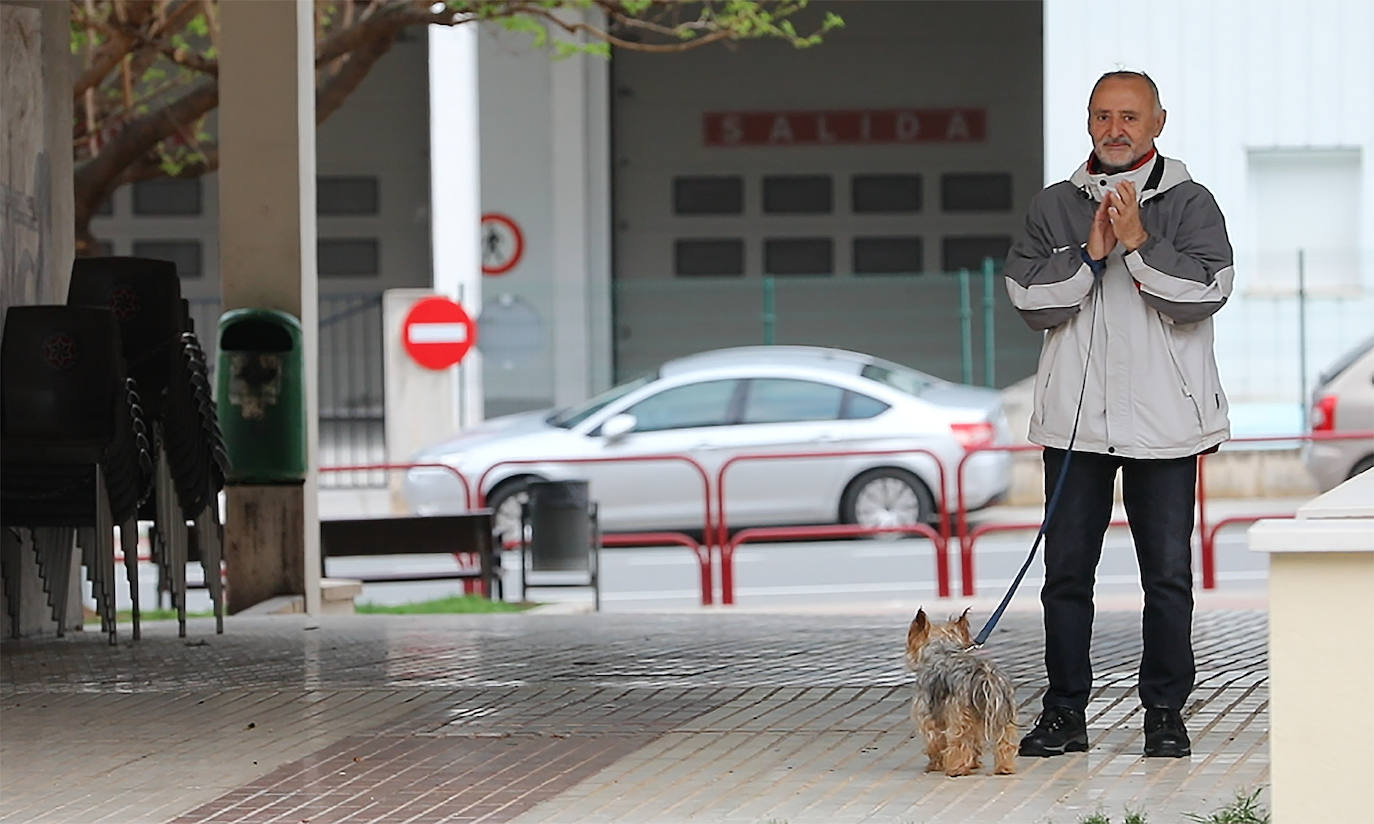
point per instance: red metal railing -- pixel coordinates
(394, 467)
(727, 547)
(764, 533)
(1208, 535)
(968, 539)
(703, 554)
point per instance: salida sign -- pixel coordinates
(864, 126)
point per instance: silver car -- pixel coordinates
(1343, 402)
(718, 405)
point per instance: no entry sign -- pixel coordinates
(437, 333)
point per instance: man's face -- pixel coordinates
(1123, 122)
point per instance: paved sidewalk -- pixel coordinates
(711, 716)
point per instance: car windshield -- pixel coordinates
(571, 416)
(899, 377)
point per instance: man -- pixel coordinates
(1123, 266)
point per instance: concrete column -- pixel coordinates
(1321, 576)
(267, 260)
(36, 220)
(455, 193)
(571, 320)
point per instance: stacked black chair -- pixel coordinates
(75, 457)
(145, 296)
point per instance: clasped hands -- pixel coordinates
(1117, 218)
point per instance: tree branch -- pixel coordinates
(96, 177)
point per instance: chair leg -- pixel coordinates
(128, 540)
(176, 553)
(53, 549)
(209, 538)
(86, 542)
(104, 529)
(11, 557)
(171, 531)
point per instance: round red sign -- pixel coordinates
(438, 333)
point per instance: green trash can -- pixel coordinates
(260, 378)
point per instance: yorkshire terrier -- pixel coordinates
(963, 702)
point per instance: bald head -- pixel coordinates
(1130, 76)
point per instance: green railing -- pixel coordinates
(957, 325)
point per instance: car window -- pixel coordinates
(775, 400)
(858, 406)
(1344, 362)
(695, 404)
(573, 415)
(899, 377)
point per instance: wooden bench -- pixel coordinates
(467, 533)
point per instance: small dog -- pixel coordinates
(963, 702)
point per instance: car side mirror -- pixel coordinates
(618, 426)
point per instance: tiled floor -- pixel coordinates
(711, 716)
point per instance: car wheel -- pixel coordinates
(887, 497)
(1366, 463)
(505, 502)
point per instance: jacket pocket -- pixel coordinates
(1184, 385)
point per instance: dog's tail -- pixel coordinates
(994, 700)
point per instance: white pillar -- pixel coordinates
(571, 320)
(1321, 576)
(455, 192)
(267, 260)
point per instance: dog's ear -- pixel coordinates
(920, 628)
(962, 626)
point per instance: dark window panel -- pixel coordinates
(177, 196)
(103, 248)
(885, 194)
(857, 407)
(980, 192)
(798, 195)
(186, 254)
(106, 207)
(349, 257)
(708, 195)
(798, 256)
(888, 255)
(708, 256)
(348, 196)
(969, 252)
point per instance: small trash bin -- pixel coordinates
(260, 377)
(560, 526)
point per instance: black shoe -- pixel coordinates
(1165, 735)
(1058, 730)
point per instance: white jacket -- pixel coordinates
(1151, 389)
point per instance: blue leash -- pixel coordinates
(983, 634)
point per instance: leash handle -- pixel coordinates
(996, 616)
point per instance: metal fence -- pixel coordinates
(350, 379)
(956, 325)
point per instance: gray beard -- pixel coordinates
(1110, 169)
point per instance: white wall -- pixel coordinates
(1237, 76)
(544, 145)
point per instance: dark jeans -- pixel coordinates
(1159, 497)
